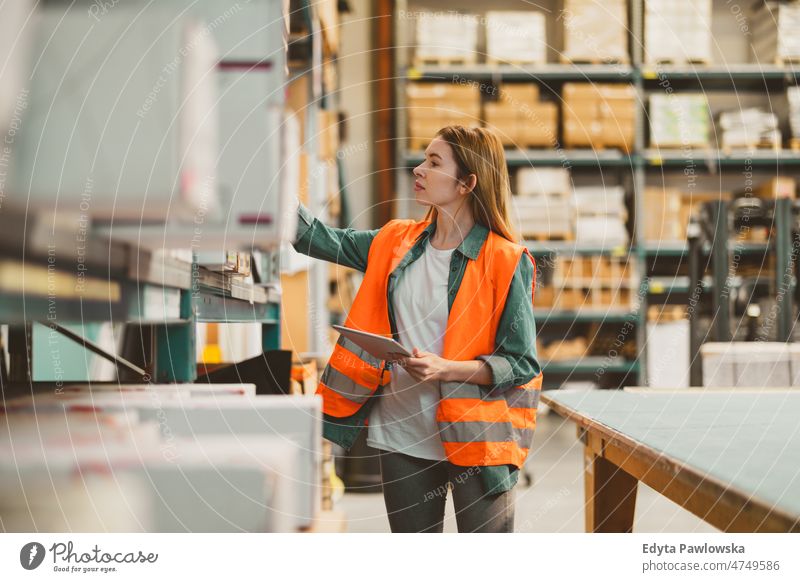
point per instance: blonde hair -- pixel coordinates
(479, 151)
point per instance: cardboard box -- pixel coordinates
(516, 93)
(599, 115)
(778, 187)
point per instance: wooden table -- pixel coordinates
(731, 457)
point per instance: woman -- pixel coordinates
(457, 290)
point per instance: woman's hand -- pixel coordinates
(426, 367)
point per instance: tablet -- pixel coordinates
(379, 346)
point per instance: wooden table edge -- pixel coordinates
(709, 498)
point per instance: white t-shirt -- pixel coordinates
(403, 419)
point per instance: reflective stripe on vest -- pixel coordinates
(351, 376)
(478, 426)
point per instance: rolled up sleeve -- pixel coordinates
(514, 361)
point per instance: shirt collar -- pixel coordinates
(471, 246)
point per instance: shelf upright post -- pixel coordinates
(176, 358)
(20, 353)
(784, 271)
(695, 266)
(720, 266)
(639, 184)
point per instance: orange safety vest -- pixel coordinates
(477, 428)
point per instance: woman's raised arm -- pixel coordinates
(344, 246)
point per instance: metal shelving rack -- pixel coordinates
(167, 297)
(643, 77)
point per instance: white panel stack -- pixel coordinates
(121, 123)
(14, 39)
(677, 31)
(749, 365)
(749, 128)
(542, 207)
(678, 120)
(447, 37)
(136, 143)
(600, 216)
(668, 354)
(213, 416)
(776, 33)
(205, 484)
(595, 31)
(516, 37)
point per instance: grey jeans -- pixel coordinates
(415, 491)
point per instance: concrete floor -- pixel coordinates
(554, 503)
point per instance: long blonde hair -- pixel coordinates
(479, 151)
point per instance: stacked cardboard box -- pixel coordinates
(599, 115)
(559, 350)
(520, 119)
(594, 282)
(600, 216)
(662, 215)
(515, 36)
(777, 187)
(749, 128)
(595, 32)
(678, 120)
(431, 106)
(667, 211)
(775, 32)
(446, 38)
(677, 31)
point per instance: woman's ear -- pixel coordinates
(469, 183)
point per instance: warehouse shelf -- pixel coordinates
(567, 248)
(635, 170)
(673, 285)
(759, 157)
(510, 72)
(658, 249)
(681, 250)
(550, 157)
(591, 365)
(544, 315)
(756, 73)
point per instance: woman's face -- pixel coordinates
(435, 181)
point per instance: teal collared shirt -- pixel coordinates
(514, 360)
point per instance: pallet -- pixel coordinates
(422, 62)
(787, 61)
(593, 60)
(597, 147)
(515, 62)
(678, 62)
(548, 236)
(680, 146)
(775, 146)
